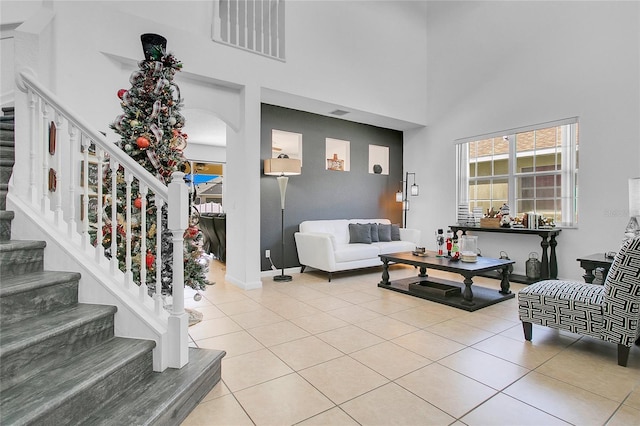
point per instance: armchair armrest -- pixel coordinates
(316, 249)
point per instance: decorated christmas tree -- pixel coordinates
(151, 131)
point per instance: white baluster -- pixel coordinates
(114, 216)
(84, 140)
(45, 204)
(73, 149)
(59, 175)
(128, 279)
(33, 149)
(178, 319)
(99, 224)
(157, 295)
(143, 241)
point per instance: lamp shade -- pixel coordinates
(282, 167)
(634, 197)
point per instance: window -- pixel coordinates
(531, 169)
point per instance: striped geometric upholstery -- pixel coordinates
(610, 312)
(566, 305)
(622, 296)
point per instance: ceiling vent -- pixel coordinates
(339, 112)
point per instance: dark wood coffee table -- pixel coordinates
(452, 293)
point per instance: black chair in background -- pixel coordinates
(220, 227)
(211, 242)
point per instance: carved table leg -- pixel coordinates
(467, 293)
(553, 262)
(385, 272)
(544, 269)
(423, 272)
(588, 273)
(504, 284)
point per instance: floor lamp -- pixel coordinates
(283, 166)
(404, 197)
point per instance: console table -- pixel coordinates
(593, 261)
(549, 267)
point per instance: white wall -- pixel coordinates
(368, 56)
(499, 65)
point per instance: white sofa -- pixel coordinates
(324, 245)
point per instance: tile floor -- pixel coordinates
(310, 352)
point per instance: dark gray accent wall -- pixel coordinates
(324, 194)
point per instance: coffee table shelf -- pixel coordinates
(452, 293)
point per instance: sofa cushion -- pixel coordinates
(374, 232)
(384, 232)
(394, 246)
(336, 227)
(395, 232)
(354, 252)
(359, 233)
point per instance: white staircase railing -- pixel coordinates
(67, 162)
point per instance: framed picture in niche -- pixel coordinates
(337, 155)
(286, 143)
(379, 159)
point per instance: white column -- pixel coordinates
(178, 319)
(242, 195)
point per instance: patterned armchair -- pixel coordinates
(610, 312)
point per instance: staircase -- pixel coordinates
(60, 363)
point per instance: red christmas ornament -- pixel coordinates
(137, 203)
(121, 93)
(150, 259)
(192, 231)
(142, 142)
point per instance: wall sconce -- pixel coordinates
(399, 196)
(415, 189)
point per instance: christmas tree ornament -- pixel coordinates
(121, 93)
(153, 46)
(150, 258)
(142, 142)
(172, 121)
(128, 147)
(157, 132)
(137, 203)
(134, 123)
(126, 99)
(197, 297)
(152, 231)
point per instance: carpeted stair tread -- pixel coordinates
(164, 398)
(18, 336)
(35, 280)
(21, 245)
(18, 257)
(35, 293)
(90, 375)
